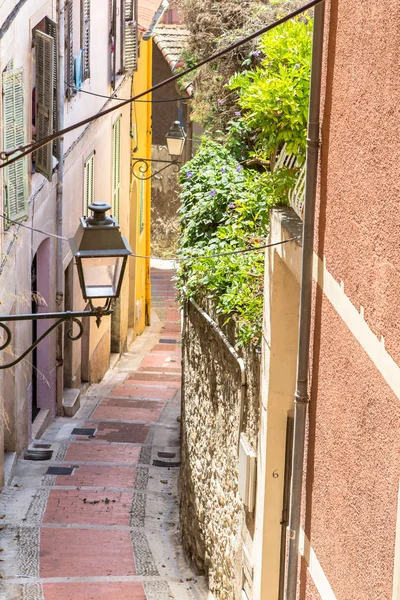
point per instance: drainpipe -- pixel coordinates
(301, 398)
(148, 191)
(235, 355)
(59, 203)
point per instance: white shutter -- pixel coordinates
(15, 175)
(116, 168)
(88, 183)
(130, 45)
(85, 37)
(44, 101)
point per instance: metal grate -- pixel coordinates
(164, 463)
(84, 431)
(59, 471)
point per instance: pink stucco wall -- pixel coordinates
(354, 441)
(359, 218)
(352, 464)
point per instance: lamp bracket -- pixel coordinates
(59, 318)
(140, 166)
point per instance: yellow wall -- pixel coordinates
(139, 272)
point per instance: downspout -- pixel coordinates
(301, 398)
(59, 203)
(148, 195)
(233, 352)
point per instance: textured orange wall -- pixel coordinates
(359, 217)
(352, 463)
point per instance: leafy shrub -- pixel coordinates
(225, 209)
(274, 96)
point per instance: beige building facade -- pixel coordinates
(99, 55)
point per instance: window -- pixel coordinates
(130, 37)
(69, 50)
(123, 37)
(116, 167)
(44, 100)
(15, 175)
(85, 38)
(88, 183)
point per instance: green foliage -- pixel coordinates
(225, 209)
(274, 96)
(214, 25)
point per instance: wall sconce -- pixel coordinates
(176, 138)
(101, 253)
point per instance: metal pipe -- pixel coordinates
(236, 356)
(301, 398)
(59, 201)
(59, 194)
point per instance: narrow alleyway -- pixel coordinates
(99, 520)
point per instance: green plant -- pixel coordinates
(225, 209)
(274, 96)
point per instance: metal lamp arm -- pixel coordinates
(60, 317)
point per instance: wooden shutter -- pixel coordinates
(85, 37)
(113, 42)
(15, 175)
(130, 36)
(116, 168)
(44, 101)
(51, 30)
(69, 49)
(88, 183)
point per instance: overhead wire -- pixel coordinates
(171, 258)
(113, 97)
(32, 148)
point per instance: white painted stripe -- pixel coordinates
(396, 569)
(355, 321)
(314, 568)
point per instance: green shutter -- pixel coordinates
(116, 168)
(44, 101)
(130, 41)
(51, 30)
(88, 183)
(85, 37)
(15, 175)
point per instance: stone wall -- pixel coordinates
(214, 523)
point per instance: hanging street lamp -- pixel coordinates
(101, 253)
(175, 138)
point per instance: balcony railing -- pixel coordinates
(296, 194)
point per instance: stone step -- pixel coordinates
(71, 401)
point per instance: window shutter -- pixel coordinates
(69, 49)
(44, 101)
(116, 168)
(85, 37)
(15, 177)
(130, 46)
(113, 42)
(51, 30)
(88, 184)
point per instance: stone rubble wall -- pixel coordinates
(213, 521)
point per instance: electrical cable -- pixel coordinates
(124, 99)
(206, 256)
(173, 258)
(213, 57)
(58, 237)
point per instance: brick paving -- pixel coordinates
(108, 530)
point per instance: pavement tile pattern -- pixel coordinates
(105, 527)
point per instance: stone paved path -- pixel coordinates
(99, 521)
